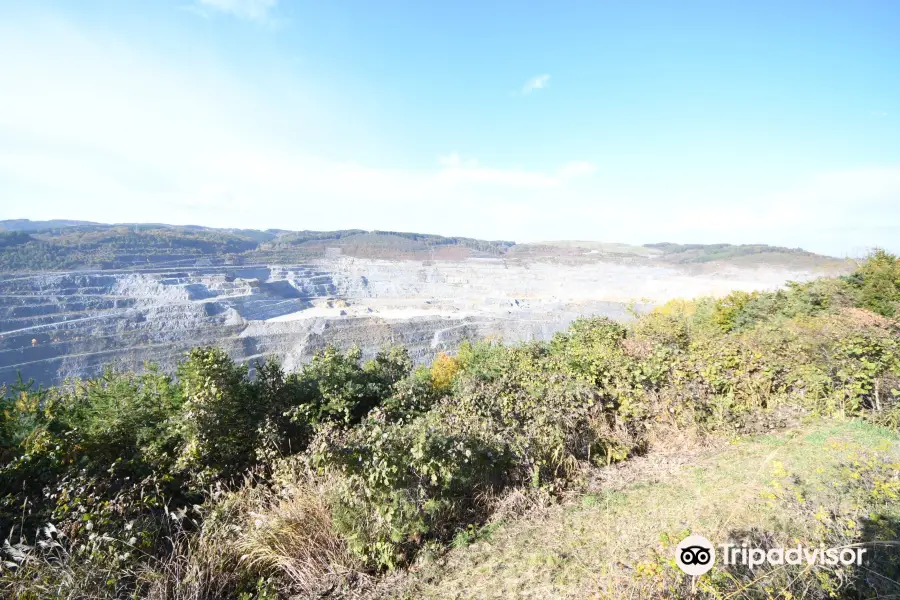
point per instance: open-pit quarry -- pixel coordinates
(72, 324)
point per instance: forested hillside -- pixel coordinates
(63, 245)
(216, 484)
(75, 245)
(700, 253)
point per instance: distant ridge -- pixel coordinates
(689, 253)
(63, 244)
(29, 225)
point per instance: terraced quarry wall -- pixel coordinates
(58, 325)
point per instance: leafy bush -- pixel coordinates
(878, 282)
(443, 371)
(337, 388)
(403, 484)
(107, 434)
(412, 396)
(219, 423)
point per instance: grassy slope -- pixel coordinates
(590, 546)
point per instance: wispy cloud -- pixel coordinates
(577, 168)
(455, 170)
(879, 113)
(537, 82)
(251, 10)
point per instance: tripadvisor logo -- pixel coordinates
(695, 555)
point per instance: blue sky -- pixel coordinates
(774, 122)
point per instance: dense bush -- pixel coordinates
(406, 483)
(207, 484)
(878, 283)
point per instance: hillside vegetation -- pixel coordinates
(61, 245)
(700, 253)
(215, 484)
(72, 245)
(685, 256)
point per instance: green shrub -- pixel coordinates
(412, 396)
(878, 282)
(114, 430)
(336, 388)
(220, 418)
(669, 330)
(402, 484)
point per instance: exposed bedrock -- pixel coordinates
(58, 325)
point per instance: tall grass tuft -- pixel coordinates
(290, 535)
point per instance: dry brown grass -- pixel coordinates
(261, 540)
(204, 562)
(281, 535)
(290, 535)
(199, 568)
(859, 317)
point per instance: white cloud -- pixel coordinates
(251, 10)
(454, 161)
(834, 213)
(457, 171)
(538, 82)
(578, 168)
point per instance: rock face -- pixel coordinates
(58, 325)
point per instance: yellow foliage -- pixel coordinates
(678, 307)
(443, 370)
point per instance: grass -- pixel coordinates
(291, 533)
(599, 542)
